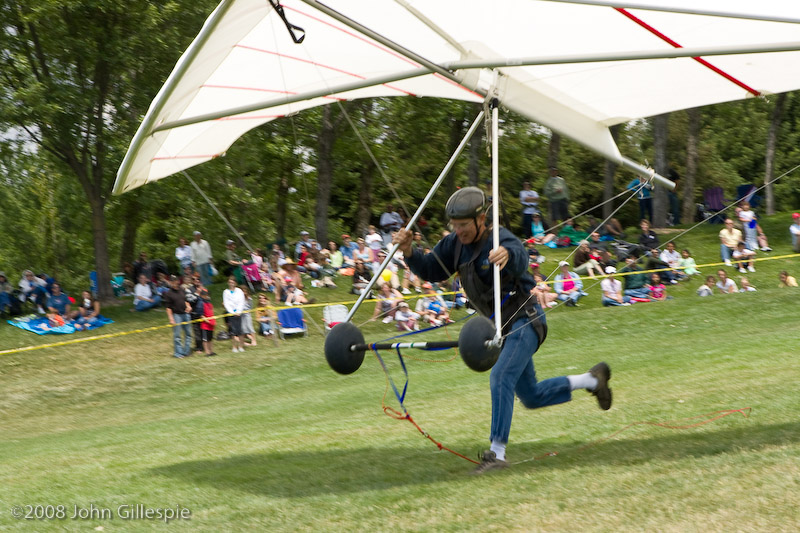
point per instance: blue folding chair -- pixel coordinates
(291, 322)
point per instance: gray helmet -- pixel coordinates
(465, 203)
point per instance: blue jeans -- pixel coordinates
(182, 324)
(514, 373)
(5, 301)
(725, 252)
(637, 293)
(574, 296)
(205, 274)
(609, 301)
(142, 305)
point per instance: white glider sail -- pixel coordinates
(574, 67)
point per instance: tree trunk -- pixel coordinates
(363, 212)
(772, 140)
(608, 177)
(281, 202)
(660, 199)
(553, 150)
(692, 157)
(100, 239)
(130, 211)
(327, 136)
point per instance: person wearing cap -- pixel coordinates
(794, 230)
(304, 243)
(5, 294)
(178, 314)
(557, 193)
(432, 306)
(406, 318)
(469, 250)
(201, 258)
(568, 285)
(612, 290)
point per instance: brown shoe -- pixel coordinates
(602, 373)
(489, 461)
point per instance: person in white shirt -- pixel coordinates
(183, 253)
(725, 284)
(234, 302)
(794, 229)
(374, 242)
(744, 258)
(201, 258)
(406, 318)
(612, 290)
(707, 289)
(673, 258)
(143, 296)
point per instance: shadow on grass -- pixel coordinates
(297, 474)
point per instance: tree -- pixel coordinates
(692, 157)
(77, 89)
(608, 176)
(769, 157)
(660, 203)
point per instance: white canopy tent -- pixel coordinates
(576, 67)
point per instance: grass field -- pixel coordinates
(273, 440)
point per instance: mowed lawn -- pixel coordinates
(273, 440)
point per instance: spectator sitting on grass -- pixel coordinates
(672, 258)
(707, 289)
(33, 288)
(6, 291)
(647, 239)
(386, 303)
(87, 312)
(58, 304)
(654, 262)
(786, 280)
(406, 318)
(744, 258)
(568, 285)
(143, 296)
(432, 306)
(746, 287)
(729, 237)
(544, 292)
(584, 264)
(612, 290)
(656, 290)
(687, 263)
(635, 279)
(725, 284)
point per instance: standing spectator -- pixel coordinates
(754, 236)
(794, 230)
(144, 298)
(234, 302)
(192, 287)
(390, 221)
(612, 290)
(707, 289)
(178, 311)
(374, 242)
(183, 253)
(201, 257)
(6, 291)
(530, 205)
(568, 285)
(786, 280)
(207, 326)
(557, 193)
(725, 284)
(143, 266)
(644, 196)
(729, 237)
(248, 331)
(234, 262)
(349, 249)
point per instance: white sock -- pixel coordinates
(582, 381)
(499, 450)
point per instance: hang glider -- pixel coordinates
(574, 66)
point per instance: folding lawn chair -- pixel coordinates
(716, 203)
(333, 314)
(291, 322)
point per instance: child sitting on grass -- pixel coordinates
(687, 264)
(707, 289)
(406, 318)
(656, 289)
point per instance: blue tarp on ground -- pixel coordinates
(41, 326)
